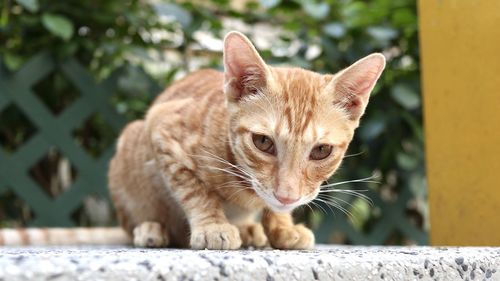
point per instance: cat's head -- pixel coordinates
(289, 128)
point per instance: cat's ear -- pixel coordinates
(353, 85)
(244, 70)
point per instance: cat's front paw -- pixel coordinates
(150, 235)
(216, 237)
(291, 237)
(252, 235)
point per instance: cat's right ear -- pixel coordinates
(245, 71)
(353, 85)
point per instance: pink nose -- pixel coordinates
(286, 200)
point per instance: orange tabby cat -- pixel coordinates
(217, 151)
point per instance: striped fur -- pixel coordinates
(189, 175)
(63, 236)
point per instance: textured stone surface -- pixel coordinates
(324, 263)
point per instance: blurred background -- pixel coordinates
(73, 72)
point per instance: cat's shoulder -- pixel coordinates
(194, 84)
(200, 76)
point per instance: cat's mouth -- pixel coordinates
(276, 205)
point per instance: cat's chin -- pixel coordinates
(277, 206)
(282, 208)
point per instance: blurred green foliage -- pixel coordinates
(138, 39)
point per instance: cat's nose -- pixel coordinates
(286, 200)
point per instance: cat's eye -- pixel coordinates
(320, 152)
(264, 143)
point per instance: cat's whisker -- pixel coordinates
(223, 161)
(236, 181)
(238, 169)
(368, 180)
(329, 200)
(259, 188)
(346, 182)
(229, 172)
(233, 184)
(236, 192)
(252, 201)
(319, 207)
(338, 206)
(310, 208)
(330, 204)
(212, 156)
(354, 193)
(354, 154)
(331, 197)
(342, 208)
(316, 204)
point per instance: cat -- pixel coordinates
(216, 151)
(222, 159)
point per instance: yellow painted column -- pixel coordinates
(460, 51)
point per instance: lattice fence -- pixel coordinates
(55, 126)
(55, 130)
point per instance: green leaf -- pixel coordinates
(417, 185)
(270, 3)
(360, 210)
(12, 62)
(4, 17)
(371, 128)
(30, 5)
(406, 161)
(316, 10)
(382, 33)
(58, 25)
(404, 17)
(405, 96)
(334, 29)
(415, 124)
(173, 10)
(355, 14)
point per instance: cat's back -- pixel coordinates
(197, 85)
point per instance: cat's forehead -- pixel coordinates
(303, 104)
(312, 130)
(299, 82)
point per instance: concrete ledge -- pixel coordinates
(324, 263)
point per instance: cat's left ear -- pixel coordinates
(245, 71)
(353, 85)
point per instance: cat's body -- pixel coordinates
(217, 151)
(141, 195)
(221, 159)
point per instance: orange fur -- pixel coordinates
(63, 236)
(191, 171)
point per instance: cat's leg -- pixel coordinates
(251, 232)
(150, 234)
(209, 227)
(252, 235)
(284, 234)
(202, 206)
(143, 206)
